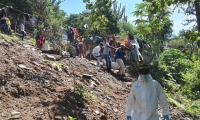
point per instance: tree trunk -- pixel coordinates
(197, 9)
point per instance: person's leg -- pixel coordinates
(118, 62)
(22, 32)
(81, 53)
(98, 61)
(122, 66)
(96, 57)
(109, 62)
(106, 57)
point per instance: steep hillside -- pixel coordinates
(37, 86)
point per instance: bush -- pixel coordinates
(168, 71)
(191, 78)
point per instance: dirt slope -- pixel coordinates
(30, 89)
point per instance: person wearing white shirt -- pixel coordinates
(22, 29)
(96, 53)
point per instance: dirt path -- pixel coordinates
(32, 89)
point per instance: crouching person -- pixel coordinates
(144, 97)
(96, 52)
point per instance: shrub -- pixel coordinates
(168, 71)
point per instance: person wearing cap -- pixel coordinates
(96, 52)
(144, 97)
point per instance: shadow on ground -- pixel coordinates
(70, 104)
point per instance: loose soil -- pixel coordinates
(32, 89)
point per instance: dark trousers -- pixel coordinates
(23, 34)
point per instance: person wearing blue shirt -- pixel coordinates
(119, 57)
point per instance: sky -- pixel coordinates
(77, 6)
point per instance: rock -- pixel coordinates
(92, 84)
(15, 114)
(97, 112)
(87, 76)
(23, 66)
(50, 57)
(60, 89)
(58, 117)
(27, 46)
(3, 115)
(115, 110)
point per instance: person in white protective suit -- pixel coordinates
(144, 97)
(135, 54)
(96, 53)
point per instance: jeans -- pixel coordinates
(108, 62)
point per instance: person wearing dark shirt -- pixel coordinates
(2, 13)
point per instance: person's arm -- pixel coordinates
(130, 104)
(126, 48)
(110, 46)
(162, 99)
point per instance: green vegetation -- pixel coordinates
(32, 42)
(9, 38)
(54, 64)
(71, 118)
(79, 90)
(106, 90)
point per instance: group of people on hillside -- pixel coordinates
(146, 93)
(5, 23)
(117, 52)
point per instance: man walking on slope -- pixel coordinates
(144, 97)
(106, 53)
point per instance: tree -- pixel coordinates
(126, 28)
(102, 17)
(153, 24)
(193, 7)
(120, 12)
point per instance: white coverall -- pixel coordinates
(143, 100)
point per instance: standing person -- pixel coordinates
(124, 49)
(106, 54)
(140, 44)
(144, 97)
(128, 41)
(2, 13)
(77, 48)
(135, 53)
(81, 46)
(8, 24)
(119, 57)
(22, 29)
(96, 52)
(35, 32)
(39, 40)
(53, 41)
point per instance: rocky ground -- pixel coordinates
(32, 87)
